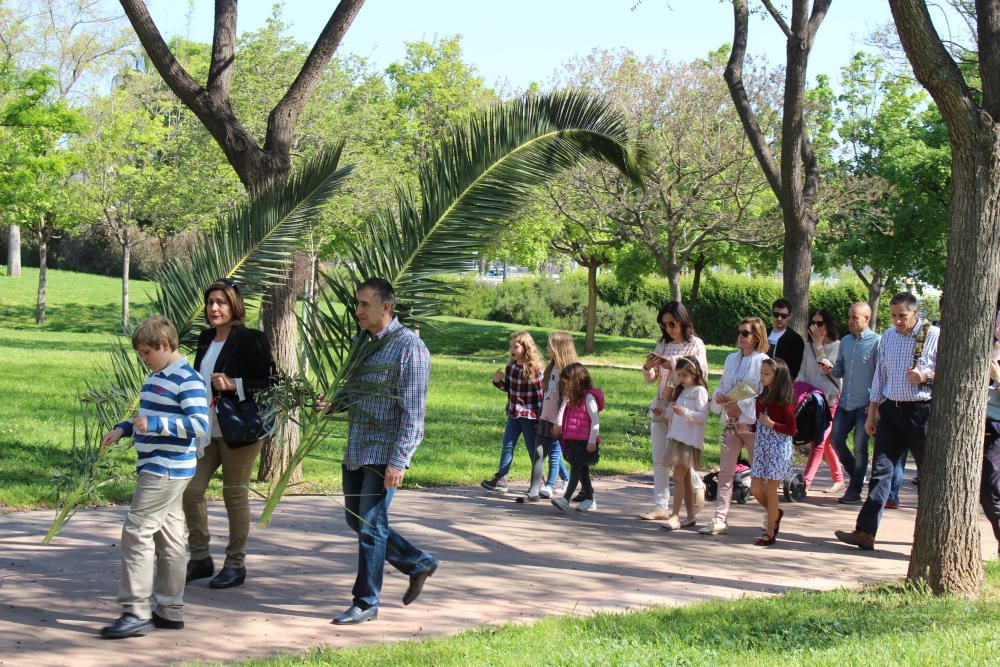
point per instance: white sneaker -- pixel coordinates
(715, 528)
(560, 488)
(545, 491)
(561, 503)
(587, 506)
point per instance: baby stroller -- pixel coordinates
(741, 483)
(811, 420)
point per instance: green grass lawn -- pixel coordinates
(44, 368)
(881, 625)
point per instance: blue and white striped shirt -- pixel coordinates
(895, 357)
(175, 406)
(386, 429)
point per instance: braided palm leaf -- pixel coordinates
(253, 246)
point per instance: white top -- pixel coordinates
(689, 426)
(772, 338)
(672, 351)
(205, 370)
(595, 418)
(552, 405)
(811, 373)
(739, 367)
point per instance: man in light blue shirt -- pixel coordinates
(856, 367)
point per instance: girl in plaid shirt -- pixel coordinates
(522, 380)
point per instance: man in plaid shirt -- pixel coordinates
(383, 434)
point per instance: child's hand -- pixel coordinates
(498, 377)
(139, 424)
(111, 437)
(657, 411)
(556, 431)
(678, 410)
(591, 447)
(766, 421)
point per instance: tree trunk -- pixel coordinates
(126, 261)
(876, 288)
(699, 266)
(281, 332)
(14, 251)
(588, 340)
(797, 266)
(946, 548)
(43, 274)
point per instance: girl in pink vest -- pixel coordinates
(581, 426)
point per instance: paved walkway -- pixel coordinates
(499, 562)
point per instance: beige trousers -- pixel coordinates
(154, 550)
(729, 455)
(237, 465)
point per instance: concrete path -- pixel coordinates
(500, 561)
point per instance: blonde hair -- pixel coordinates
(154, 332)
(532, 358)
(759, 332)
(563, 354)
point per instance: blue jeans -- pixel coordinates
(856, 462)
(557, 467)
(897, 479)
(516, 427)
(366, 504)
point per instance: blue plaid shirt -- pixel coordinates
(398, 426)
(895, 357)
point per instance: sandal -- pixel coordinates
(688, 523)
(764, 540)
(777, 522)
(671, 525)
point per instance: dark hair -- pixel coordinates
(231, 291)
(780, 392)
(382, 288)
(831, 324)
(783, 303)
(906, 299)
(574, 380)
(691, 365)
(677, 311)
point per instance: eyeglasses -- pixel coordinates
(780, 316)
(744, 333)
(818, 323)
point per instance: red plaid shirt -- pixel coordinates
(524, 394)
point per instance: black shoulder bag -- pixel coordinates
(239, 421)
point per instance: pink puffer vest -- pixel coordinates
(576, 421)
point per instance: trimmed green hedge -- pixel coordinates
(630, 309)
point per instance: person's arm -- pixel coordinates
(796, 348)
(838, 364)
(414, 376)
(698, 412)
(595, 421)
(504, 384)
(928, 361)
(783, 418)
(193, 420)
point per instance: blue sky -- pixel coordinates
(520, 41)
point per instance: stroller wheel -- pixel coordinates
(711, 485)
(742, 494)
(795, 488)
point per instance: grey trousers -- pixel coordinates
(154, 549)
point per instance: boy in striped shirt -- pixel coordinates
(172, 418)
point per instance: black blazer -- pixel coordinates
(246, 354)
(789, 349)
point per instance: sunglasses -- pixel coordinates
(229, 283)
(780, 316)
(818, 323)
(744, 333)
(670, 325)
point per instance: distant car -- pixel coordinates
(495, 273)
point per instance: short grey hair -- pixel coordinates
(905, 298)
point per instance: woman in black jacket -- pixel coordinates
(234, 361)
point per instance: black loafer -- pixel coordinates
(355, 615)
(417, 584)
(127, 625)
(200, 569)
(229, 577)
(166, 624)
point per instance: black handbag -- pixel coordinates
(239, 421)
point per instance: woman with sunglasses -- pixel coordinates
(235, 361)
(738, 416)
(818, 358)
(678, 340)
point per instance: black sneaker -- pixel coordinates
(497, 485)
(579, 498)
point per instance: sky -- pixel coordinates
(517, 42)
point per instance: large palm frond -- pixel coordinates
(253, 246)
(474, 184)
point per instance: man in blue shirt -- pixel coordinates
(384, 431)
(856, 367)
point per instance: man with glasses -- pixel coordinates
(900, 403)
(855, 365)
(783, 342)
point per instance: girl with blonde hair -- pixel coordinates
(521, 380)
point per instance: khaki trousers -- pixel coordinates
(154, 550)
(236, 467)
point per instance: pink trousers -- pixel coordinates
(729, 455)
(825, 450)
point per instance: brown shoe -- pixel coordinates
(856, 538)
(655, 515)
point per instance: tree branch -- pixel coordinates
(220, 71)
(778, 18)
